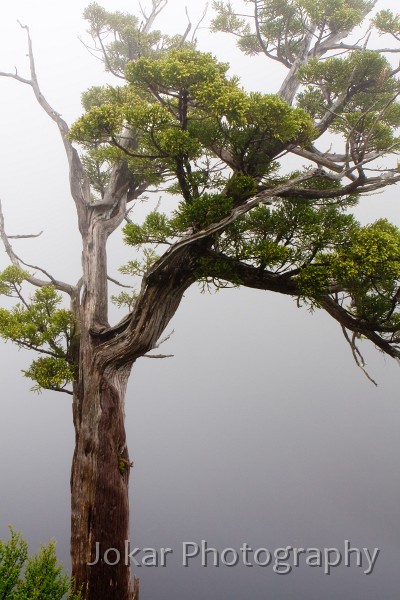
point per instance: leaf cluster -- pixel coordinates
(371, 114)
(287, 236)
(386, 21)
(279, 28)
(40, 324)
(128, 40)
(38, 577)
(182, 117)
(182, 106)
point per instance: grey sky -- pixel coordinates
(260, 430)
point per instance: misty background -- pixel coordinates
(261, 429)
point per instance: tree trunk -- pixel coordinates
(99, 489)
(101, 465)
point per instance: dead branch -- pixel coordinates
(164, 339)
(157, 7)
(119, 283)
(15, 260)
(200, 22)
(358, 357)
(158, 355)
(23, 237)
(79, 183)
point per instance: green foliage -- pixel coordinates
(387, 22)
(156, 229)
(179, 116)
(210, 208)
(50, 373)
(42, 578)
(128, 41)
(240, 187)
(42, 326)
(362, 68)
(124, 299)
(226, 273)
(180, 106)
(140, 267)
(13, 556)
(336, 14)
(371, 116)
(185, 68)
(369, 268)
(267, 122)
(284, 24)
(11, 280)
(288, 236)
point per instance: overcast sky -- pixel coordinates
(261, 430)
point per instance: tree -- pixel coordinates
(42, 577)
(178, 123)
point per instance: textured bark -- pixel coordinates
(99, 490)
(101, 464)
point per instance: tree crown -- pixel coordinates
(179, 121)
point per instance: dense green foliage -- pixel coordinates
(283, 24)
(39, 324)
(183, 108)
(181, 123)
(36, 577)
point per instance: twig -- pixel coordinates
(158, 356)
(358, 357)
(200, 22)
(21, 237)
(119, 283)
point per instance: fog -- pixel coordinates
(260, 430)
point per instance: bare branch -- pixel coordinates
(15, 76)
(158, 6)
(360, 186)
(15, 260)
(158, 355)
(343, 46)
(322, 159)
(164, 339)
(187, 30)
(118, 283)
(358, 357)
(291, 83)
(79, 183)
(63, 390)
(345, 319)
(23, 237)
(200, 22)
(107, 60)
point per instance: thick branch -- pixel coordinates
(263, 197)
(252, 277)
(359, 186)
(292, 83)
(349, 322)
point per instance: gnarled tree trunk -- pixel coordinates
(99, 488)
(101, 464)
